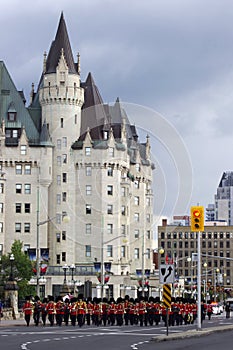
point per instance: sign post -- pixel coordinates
(167, 297)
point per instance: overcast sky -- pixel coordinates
(171, 60)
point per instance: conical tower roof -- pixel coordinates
(61, 42)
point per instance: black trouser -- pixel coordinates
(66, 318)
(151, 319)
(112, 319)
(43, 317)
(104, 319)
(59, 319)
(80, 319)
(141, 319)
(73, 319)
(119, 319)
(36, 317)
(51, 319)
(27, 319)
(126, 318)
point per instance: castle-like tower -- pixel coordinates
(69, 155)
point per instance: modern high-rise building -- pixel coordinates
(224, 198)
(69, 155)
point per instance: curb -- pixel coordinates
(191, 334)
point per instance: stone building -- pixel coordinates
(70, 155)
(180, 247)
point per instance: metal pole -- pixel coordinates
(199, 280)
(38, 245)
(102, 257)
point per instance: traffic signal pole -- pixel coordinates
(197, 225)
(199, 280)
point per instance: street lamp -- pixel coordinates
(205, 291)
(216, 271)
(65, 268)
(72, 268)
(39, 223)
(12, 258)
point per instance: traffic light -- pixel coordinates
(197, 218)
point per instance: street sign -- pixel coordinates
(167, 295)
(166, 273)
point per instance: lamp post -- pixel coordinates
(205, 291)
(12, 258)
(39, 223)
(216, 271)
(65, 268)
(72, 268)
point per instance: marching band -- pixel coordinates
(127, 311)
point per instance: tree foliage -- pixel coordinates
(21, 269)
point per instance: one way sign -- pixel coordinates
(166, 274)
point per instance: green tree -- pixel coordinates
(21, 268)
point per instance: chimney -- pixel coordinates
(164, 222)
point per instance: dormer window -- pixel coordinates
(105, 135)
(11, 113)
(62, 78)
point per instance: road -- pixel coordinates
(109, 338)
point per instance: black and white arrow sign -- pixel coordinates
(166, 274)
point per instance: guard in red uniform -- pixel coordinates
(141, 312)
(51, 310)
(27, 309)
(59, 311)
(81, 307)
(112, 312)
(73, 311)
(44, 311)
(89, 312)
(119, 312)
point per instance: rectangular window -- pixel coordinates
(62, 125)
(123, 230)
(136, 253)
(87, 151)
(58, 235)
(18, 169)
(27, 207)
(27, 169)
(136, 200)
(18, 207)
(64, 142)
(123, 191)
(58, 160)
(137, 167)
(58, 198)
(63, 256)
(64, 177)
(88, 251)
(88, 170)
(136, 184)
(88, 229)
(148, 217)
(59, 180)
(64, 158)
(1, 207)
(110, 209)
(1, 227)
(58, 143)
(111, 152)
(17, 227)
(148, 234)
(1, 188)
(110, 171)
(110, 190)
(58, 259)
(63, 235)
(27, 189)
(148, 253)
(88, 208)
(23, 150)
(26, 227)
(64, 196)
(147, 201)
(109, 251)
(136, 233)
(136, 217)
(110, 228)
(123, 251)
(88, 190)
(18, 188)
(123, 210)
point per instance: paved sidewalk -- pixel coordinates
(192, 333)
(12, 323)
